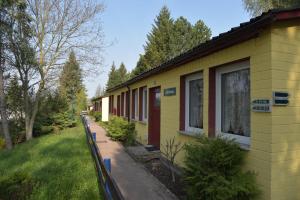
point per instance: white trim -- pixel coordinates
(124, 105)
(226, 69)
(136, 104)
(187, 105)
(145, 100)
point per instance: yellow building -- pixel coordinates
(243, 84)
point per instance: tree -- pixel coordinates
(71, 86)
(182, 36)
(157, 48)
(257, 7)
(5, 18)
(117, 76)
(15, 100)
(169, 38)
(99, 91)
(201, 33)
(112, 77)
(122, 73)
(22, 58)
(58, 27)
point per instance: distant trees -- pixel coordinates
(100, 91)
(71, 86)
(117, 76)
(169, 38)
(257, 7)
(36, 37)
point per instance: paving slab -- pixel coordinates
(133, 180)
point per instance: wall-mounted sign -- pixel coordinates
(170, 91)
(261, 105)
(280, 98)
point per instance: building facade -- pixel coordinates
(243, 84)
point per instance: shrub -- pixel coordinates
(18, 186)
(2, 143)
(214, 171)
(98, 116)
(63, 120)
(121, 130)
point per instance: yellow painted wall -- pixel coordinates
(275, 138)
(285, 141)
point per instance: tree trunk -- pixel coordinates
(4, 121)
(30, 115)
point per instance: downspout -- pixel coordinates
(128, 104)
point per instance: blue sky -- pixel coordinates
(127, 22)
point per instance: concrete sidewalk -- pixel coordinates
(134, 182)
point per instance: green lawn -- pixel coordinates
(60, 164)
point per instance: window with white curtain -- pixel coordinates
(145, 104)
(194, 103)
(233, 102)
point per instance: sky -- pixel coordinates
(127, 22)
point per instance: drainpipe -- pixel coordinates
(128, 104)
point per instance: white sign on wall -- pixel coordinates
(261, 105)
(105, 105)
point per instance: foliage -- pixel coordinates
(99, 91)
(60, 164)
(170, 149)
(214, 171)
(71, 86)
(169, 38)
(17, 186)
(97, 115)
(53, 114)
(257, 7)
(2, 143)
(117, 76)
(121, 130)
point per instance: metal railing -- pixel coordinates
(103, 167)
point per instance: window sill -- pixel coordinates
(142, 122)
(191, 134)
(245, 147)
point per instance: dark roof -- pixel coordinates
(243, 32)
(96, 98)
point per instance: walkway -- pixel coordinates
(134, 181)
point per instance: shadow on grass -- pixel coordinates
(61, 164)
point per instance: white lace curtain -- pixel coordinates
(236, 102)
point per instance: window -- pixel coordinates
(135, 105)
(233, 102)
(145, 104)
(194, 103)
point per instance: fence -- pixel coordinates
(105, 181)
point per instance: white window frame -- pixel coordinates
(136, 104)
(244, 140)
(187, 103)
(144, 100)
(124, 106)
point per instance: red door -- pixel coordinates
(154, 117)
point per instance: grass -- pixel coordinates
(61, 165)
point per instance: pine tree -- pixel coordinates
(112, 77)
(200, 33)
(169, 38)
(122, 73)
(71, 84)
(157, 48)
(182, 34)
